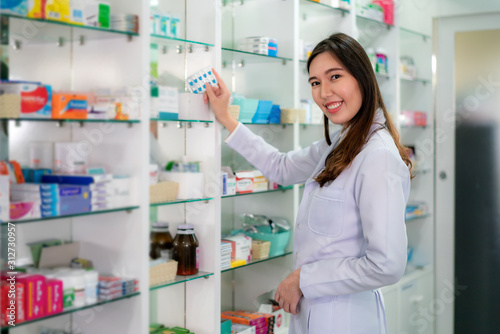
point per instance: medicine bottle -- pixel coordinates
(161, 240)
(186, 250)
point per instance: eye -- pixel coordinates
(314, 83)
(336, 76)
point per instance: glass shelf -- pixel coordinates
(70, 310)
(128, 208)
(250, 123)
(383, 76)
(179, 120)
(407, 127)
(309, 7)
(181, 279)
(260, 192)
(424, 81)
(425, 215)
(422, 170)
(182, 201)
(131, 121)
(48, 31)
(176, 42)
(367, 20)
(416, 33)
(228, 55)
(258, 261)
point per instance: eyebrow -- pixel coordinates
(328, 71)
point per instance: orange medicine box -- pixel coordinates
(69, 106)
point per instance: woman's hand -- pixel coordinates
(288, 293)
(219, 101)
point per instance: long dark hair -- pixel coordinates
(353, 57)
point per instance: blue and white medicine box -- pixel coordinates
(16, 7)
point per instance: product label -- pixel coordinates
(69, 297)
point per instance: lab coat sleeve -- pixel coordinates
(284, 168)
(381, 191)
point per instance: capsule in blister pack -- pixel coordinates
(196, 82)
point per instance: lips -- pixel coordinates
(333, 107)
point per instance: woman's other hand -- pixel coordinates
(219, 101)
(288, 293)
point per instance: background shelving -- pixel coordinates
(208, 37)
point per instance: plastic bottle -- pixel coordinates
(91, 282)
(372, 56)
(186, 251)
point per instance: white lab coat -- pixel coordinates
(350, 235)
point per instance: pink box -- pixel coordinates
(34, 293)
(388, 7)
(54, 296)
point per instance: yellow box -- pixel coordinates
(58, 10)
(35, 9)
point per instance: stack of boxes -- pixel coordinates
(92, 13)
(28, 99)
(225, 255)
(241, 249)
(82, 193)
(125, 22)
(260, 44)
(111, 287)
(35, 296)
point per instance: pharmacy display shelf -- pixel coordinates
(260, 192)
(257, 261)
(70, 310)
(244, 57)
(124, 209)
(416, 217)
(180, 201)
(369, 22)
(421, 80)
(62, 121)
(182, 279)
(413, 32)
(35, 31)
(178, 43)
(310, 7)
(179, 120)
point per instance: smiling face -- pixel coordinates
(334, 89)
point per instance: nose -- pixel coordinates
(326, 90)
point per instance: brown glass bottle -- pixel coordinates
(186, 250)
(161, 240)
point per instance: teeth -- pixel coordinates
(333, 106)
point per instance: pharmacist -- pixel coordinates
(350, 235)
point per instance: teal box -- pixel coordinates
(248, 107)
(225, 326)
(16, 7)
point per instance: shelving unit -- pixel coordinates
(210, 30)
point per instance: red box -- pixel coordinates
(35, 294)
(54, 296)
(6, 303)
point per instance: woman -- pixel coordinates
(350, 235)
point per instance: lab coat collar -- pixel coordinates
(378, 123)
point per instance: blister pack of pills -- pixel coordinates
(196, 82)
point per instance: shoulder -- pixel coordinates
(380, 148)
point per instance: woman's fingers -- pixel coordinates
(222, 84)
